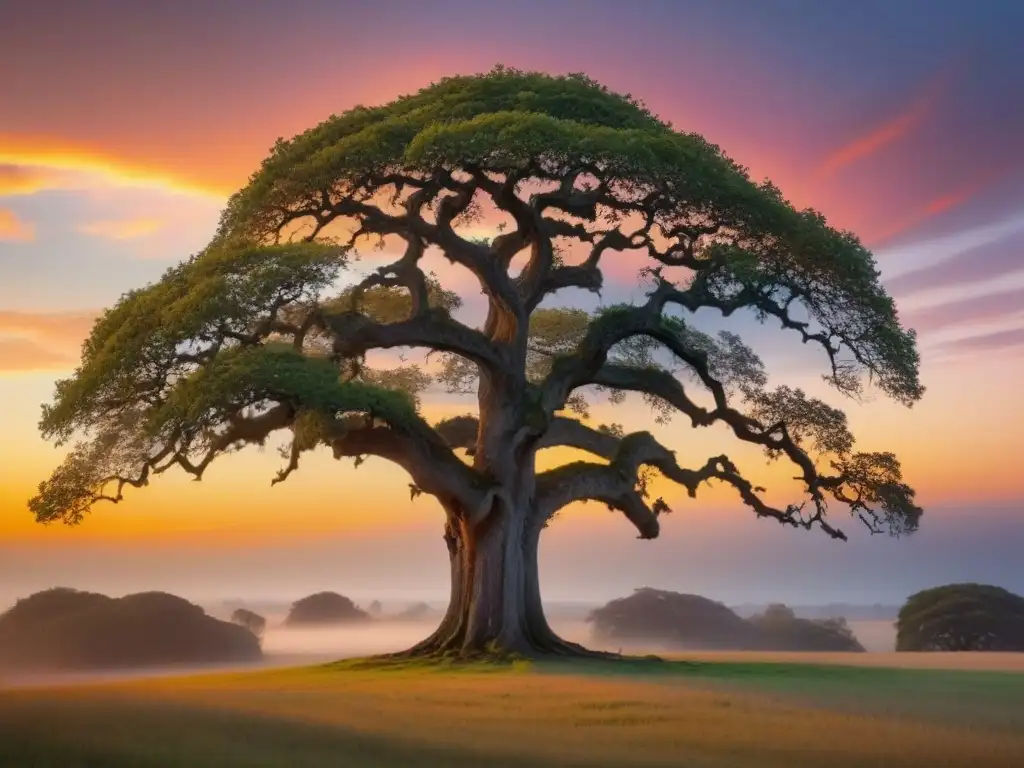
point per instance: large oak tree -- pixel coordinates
(257, 333)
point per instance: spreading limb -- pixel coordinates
(870, 484)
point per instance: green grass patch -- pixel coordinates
(433, 665)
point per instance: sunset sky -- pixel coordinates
(125, 125)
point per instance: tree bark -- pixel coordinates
(495, 606)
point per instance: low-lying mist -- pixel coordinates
(283, 644)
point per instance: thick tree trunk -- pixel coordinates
(495, 606)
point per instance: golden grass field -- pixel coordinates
(980, 662)
(743, 711)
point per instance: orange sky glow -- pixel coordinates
(107, 178)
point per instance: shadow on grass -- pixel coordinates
(53, 733)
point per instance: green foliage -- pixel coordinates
(252, 375)
(133, 352)
(730, 362)
(192, 412)
(167, 369)
(347, 146)
(459, 431)
(391, 304)
(457, 374)
(409, 380)
(961, 617)
(807, 420)
(118, 448)
(508, 120)
(558, 331)
(238, 333)
(555, 331)
(836, 281)
(879, 494)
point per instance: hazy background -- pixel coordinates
(590, 557)
(124, 126)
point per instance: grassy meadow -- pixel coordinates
(725, 712)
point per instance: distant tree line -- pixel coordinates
(954, 617)
(674, 620)
(65, 629)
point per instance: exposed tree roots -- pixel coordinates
(449, 642)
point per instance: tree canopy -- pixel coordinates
(260, 332)
(961, 617)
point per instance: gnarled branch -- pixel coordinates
(616, 483)
(355, 334)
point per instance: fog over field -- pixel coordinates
(285, 646)
(872, 625)
(288, 646)
(384, 636)
(328, 643)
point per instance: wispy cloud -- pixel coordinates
(989, 342)
(70, 326)
(935, 207)
(25, 355)
(891, 131)
(905, 267)
(21, 180)
(47, 163)
(875, 140)
(976, 309)
(123, 229)
(13, 229)
(42, 340)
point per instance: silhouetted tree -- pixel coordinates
(66, 629)
(961, 617)
(670, 619)
(246, 338)
(250, 620)
(780, 629)
(375, 608)
(325, 608)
